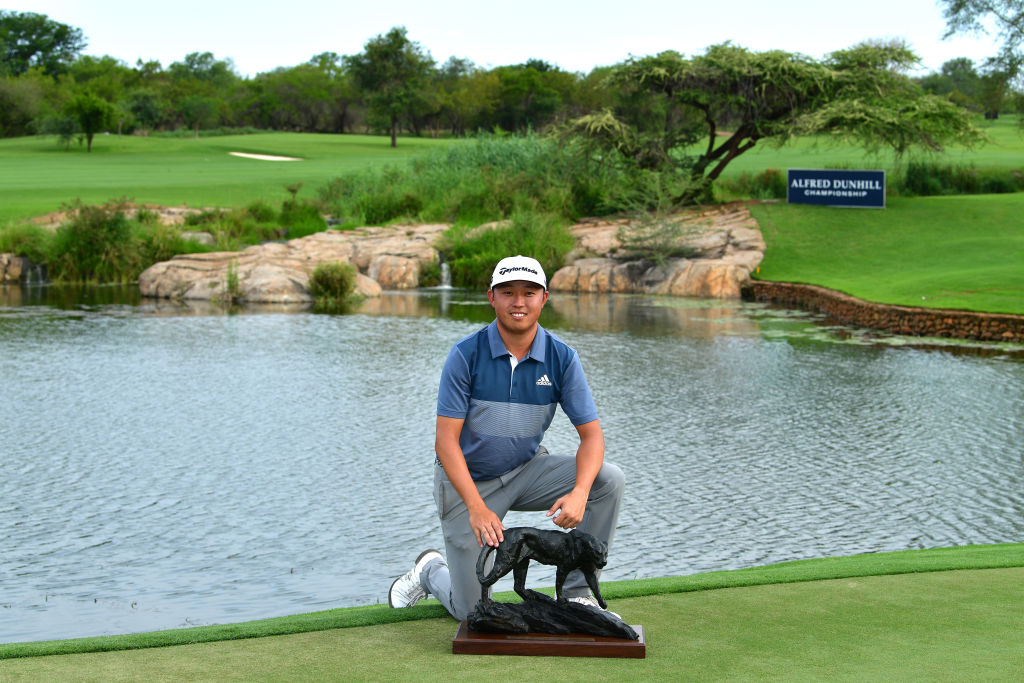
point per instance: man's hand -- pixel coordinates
(589, 458)
(487, 526)
(572, 506)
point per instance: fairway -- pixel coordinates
(37, 175)
(1004, 149)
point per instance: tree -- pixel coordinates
(468, 95)
(23, 100)
(971, 16)
(694, 116)
(876, 106)
(28, 39)
(92, 113)
(1007, 19)
(145, 108)
(198, 111)
(105, 76)
(201, 71)
(310, 97)
(531, 94)
(65, 127)
(392, 71)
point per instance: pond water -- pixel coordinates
(163, 465)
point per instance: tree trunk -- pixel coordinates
(394, 131)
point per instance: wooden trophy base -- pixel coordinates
(468, 642)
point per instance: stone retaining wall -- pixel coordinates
(923, 322)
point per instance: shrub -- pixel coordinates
(388, 204)
(31, 241)
(471, 254)
(929, 178)
(655, 237)
(237, 228)
(158, 242)
(260, 211)
(96, 245)
(332, 286)
(768, 184)
(300, 219)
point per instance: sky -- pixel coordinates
(259, 36)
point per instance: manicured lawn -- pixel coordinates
(957, 615)
(964, 252)
(1005, 149)
(37, 175)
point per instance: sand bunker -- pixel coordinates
(264, 157)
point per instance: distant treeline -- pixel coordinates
(48, 87)
(330, 93)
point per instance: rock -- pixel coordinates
(395, 272)
(12, 267)
(725, 248)
(709, 279)
(604, 275)
(279, 272)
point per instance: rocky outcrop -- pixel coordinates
(279, 272)
(723, 246)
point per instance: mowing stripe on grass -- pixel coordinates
(950, 625)
(902, 562)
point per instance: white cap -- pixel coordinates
(518, 268)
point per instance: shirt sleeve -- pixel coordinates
(454, 390)
(577, 401)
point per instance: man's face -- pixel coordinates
(518, 304)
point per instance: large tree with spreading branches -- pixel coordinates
(693, 117)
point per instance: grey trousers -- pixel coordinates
(533, 486)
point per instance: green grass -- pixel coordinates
(911, 615)
(963, 252)
(1005, 149)
(37, 175)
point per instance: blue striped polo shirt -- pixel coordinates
(506, 410)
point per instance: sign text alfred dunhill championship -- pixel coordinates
(864, 189)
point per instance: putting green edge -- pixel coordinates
(871, 564)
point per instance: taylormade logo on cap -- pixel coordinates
(518, 268)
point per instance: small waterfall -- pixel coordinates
(34, 275)
(446, 276)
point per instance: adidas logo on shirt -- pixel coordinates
(544, 382)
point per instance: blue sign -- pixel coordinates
(861, 189)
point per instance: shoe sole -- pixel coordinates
(390, 590)
(416, 566)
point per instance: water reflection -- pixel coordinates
(167, 464)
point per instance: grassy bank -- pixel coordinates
(936, 252)
(911, 615)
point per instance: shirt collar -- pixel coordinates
(498, 350)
